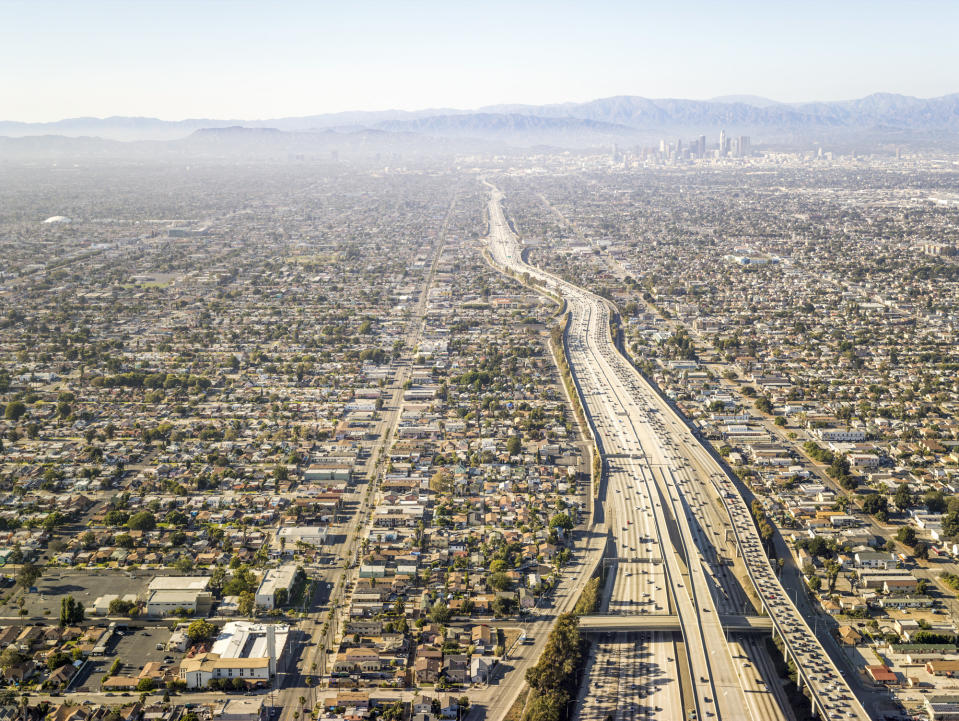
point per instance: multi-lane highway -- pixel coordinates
(675, 518)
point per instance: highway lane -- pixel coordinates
(612, 411)
(638, 427)
(716, 687)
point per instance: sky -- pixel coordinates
(251, 60)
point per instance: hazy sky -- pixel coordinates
(270, 58)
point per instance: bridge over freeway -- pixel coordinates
(613, 623)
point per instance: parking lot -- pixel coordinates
(84, 585)
(134, 648)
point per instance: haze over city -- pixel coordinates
(254, 60)
(479, 362)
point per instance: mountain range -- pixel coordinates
(881, 117)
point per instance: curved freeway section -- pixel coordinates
(670, 508)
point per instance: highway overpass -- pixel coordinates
(618, 623)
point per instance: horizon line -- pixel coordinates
(440, 109)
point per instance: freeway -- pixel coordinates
(671, 506)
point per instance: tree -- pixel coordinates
(71, 611)
(764, 405)
(245, 603)
(442, 481)
(116, 517)
(58, 659)
(950, 524)
(514, 445)
(242, 580)
(217, 578)
(440, 612)
(142, 521)
(500, 582)
(16, 555)
(146, 684)
(15, 410)
(11, 656)
(815, 583)
(875, 504)
(907, 535)
(28, 574)
(503, 606)
(200, 630)
(902, 497)
(561, 520)
(555, 672)
(935, 502)
(119, 607)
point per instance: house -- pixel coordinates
(852, 604)
(875, 559)
(456, 668)
(62, 676)
(482, 639)
(421, 704)
(882, 674)
(119, 683)
(901, 584)
(849, 636)
(451, 709)
(19, 673)
(362, 660)
(479, 669)
(426, 670)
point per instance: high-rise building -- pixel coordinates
(743, 146)
(723, 147)
(702, 146)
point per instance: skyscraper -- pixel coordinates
(722, 144)
(702, 146)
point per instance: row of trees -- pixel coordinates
(553, 680)
(71, 611)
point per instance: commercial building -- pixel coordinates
(289, 539)
(275, 587)
(163, 603)
(943, 707)
(167, 594)
(842, 435)
(249, 651)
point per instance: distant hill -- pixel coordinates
(627, 119)
(515, 128)
(754, 100)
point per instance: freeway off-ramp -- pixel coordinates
(661, 497)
